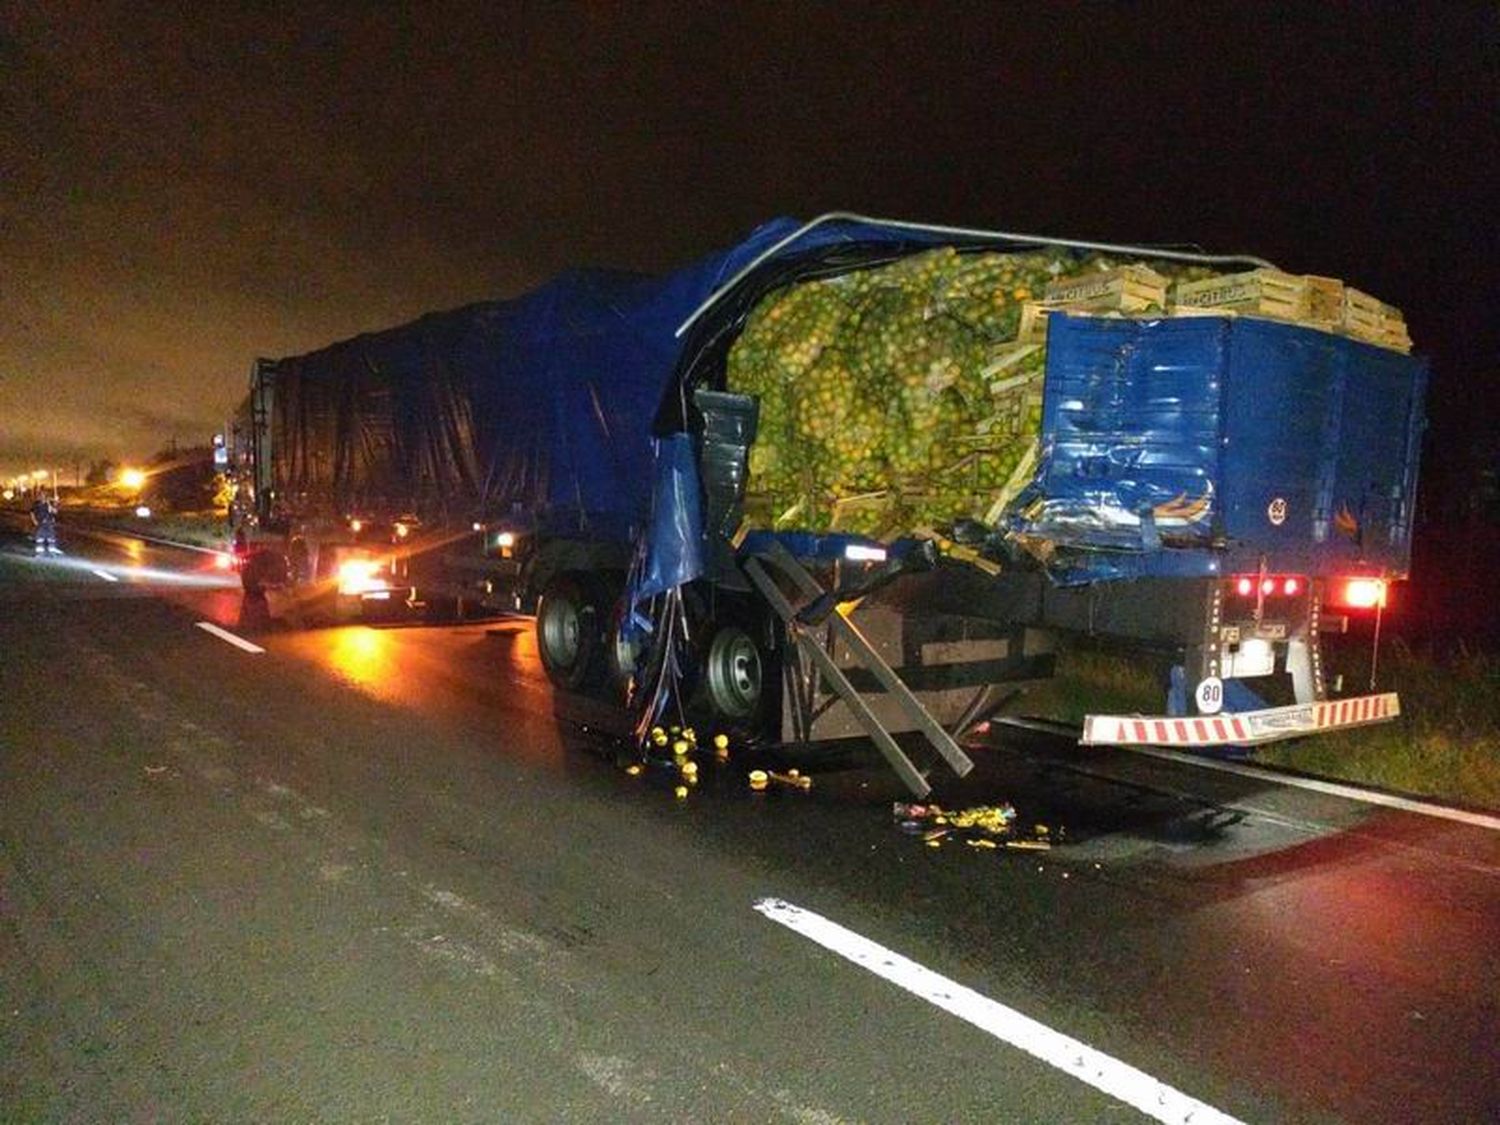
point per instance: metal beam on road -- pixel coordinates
(1330, 788)
(1348, 792)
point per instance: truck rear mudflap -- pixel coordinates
(1241, 728)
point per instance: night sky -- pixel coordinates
(181, 191)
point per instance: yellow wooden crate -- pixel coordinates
(1127, 289)
(1261, 292)
(1033, 326)
(1370, 319)
(1325, 301)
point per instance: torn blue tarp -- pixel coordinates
(674, 547)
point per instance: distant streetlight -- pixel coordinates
(133, 479)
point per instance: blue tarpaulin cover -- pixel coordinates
(676, 530)
(539, 407)
(543, 404)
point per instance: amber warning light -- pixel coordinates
(360, 577)
(1360, 593)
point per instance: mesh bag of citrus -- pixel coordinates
(895, 397)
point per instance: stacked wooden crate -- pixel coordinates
(1325, 303)
(1133, 290)
(1372, 320)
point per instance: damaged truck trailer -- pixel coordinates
(856, 478)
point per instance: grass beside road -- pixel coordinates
(197, 529)
(1446, 745)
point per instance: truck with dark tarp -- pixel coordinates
(857, 478)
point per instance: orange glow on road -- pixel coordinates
(364, 657)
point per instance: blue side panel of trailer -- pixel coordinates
(1166, 437)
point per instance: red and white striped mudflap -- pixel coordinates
(1241, 728)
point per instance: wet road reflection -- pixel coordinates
(365, 658)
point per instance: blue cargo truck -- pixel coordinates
(1212, 489)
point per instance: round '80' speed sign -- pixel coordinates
(1209, 695)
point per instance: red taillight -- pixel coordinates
(1268, 585)
(1363, 593)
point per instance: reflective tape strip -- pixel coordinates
(1268, 725)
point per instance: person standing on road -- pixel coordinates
(44, 516)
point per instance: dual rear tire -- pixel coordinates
(730, 681)
(570, 621)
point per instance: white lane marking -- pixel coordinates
(104, 574)
(1331, 788)
(226, 635)
(1115, 1078)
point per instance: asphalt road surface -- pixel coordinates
(382, 874)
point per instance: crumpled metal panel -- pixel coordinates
(1131, 429)
(1247, 437)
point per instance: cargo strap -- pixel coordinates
(922, 718)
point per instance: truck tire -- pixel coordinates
(443, 609)
(621, 658)
(570, 631)
(738, 676)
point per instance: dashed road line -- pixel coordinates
(226, 635)
(1103, 1072)
(104, 574)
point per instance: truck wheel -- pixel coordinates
(442, 609)
(569, 630)
(346, 610)
(739, 676)
(733, 673)
(622, 658)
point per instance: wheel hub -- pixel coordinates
(734, 673)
